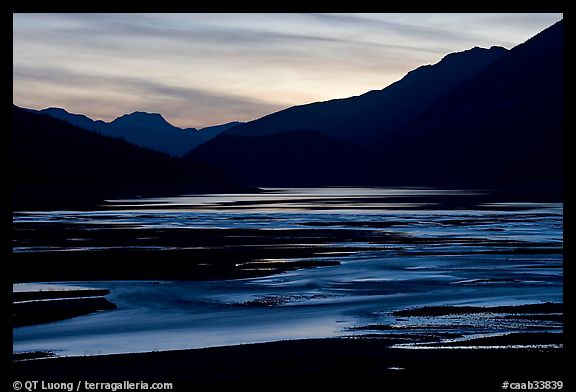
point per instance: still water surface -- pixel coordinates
(488, 253)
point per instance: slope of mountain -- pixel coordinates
(497, 124)
(356, 122)
(211, 132)
(293, 158)
(55, 163)
(502, 128)
(366, 118)
(153, 131)
(143, 120)
(79, 120)
(148, 130)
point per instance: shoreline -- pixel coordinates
(41, 307)
(342, 359)
(499, 329)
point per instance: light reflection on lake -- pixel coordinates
(416, 247)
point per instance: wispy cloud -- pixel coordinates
(176, 102)
(203, 69)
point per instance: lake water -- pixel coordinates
(389, 249)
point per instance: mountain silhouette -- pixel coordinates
(143, 129)
(79, 120)
(479, 118)
(482, 118)
(153, 131)
(55, 163)
(502, 128)
(143, 120)
(212, 131)
(292, 158)
(366, 118)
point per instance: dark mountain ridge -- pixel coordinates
(497, 125)
(55, 163)
(292, 158)
(366, 118)
(502, 128)
(145, 120)
(144, 129)
(482, 118)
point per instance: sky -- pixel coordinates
(199, 70)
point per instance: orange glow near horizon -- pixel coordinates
(199, 70)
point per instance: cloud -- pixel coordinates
(408, 31)
(120, 33)
(180, 104)
(209, 68)
(471, 29)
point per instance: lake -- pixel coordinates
(212, 270)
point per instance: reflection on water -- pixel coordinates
(390, 248)
(281, 199)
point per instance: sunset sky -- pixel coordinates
(207, 69)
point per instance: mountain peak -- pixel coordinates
(450, 66)
(473, 54)
(138, 113)
(142, 120)
(143, 115)
(79, 120)
(149, 130)
(55, 110)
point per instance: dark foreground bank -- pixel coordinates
(360, 362)
(37, 307)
